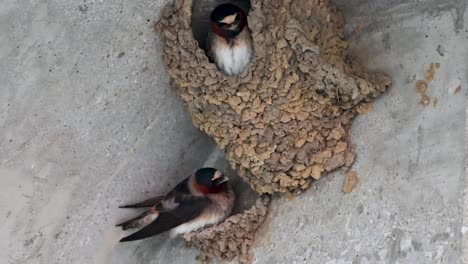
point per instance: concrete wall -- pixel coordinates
(88, 122)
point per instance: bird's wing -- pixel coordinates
(136, 222)
(180, 188)
(187, 210)
(146, 203)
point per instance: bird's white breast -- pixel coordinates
(233, 59)
(195, 224)
(220, 208)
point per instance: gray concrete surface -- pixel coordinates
(465, 197)
(88, 122)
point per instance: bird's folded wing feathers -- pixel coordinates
(187, 210)
(146, 203)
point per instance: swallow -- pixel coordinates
(203, 199)
(229, 43)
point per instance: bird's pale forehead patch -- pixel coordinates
(229, 19)
(217, 175)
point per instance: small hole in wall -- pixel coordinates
(201, 11)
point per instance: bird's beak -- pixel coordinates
(222, 180)
(219, 178)
(233, 27)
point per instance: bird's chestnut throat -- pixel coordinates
(230, 34)
(207, 190)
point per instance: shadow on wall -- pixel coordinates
(201, 10)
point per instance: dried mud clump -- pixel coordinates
(231, 239)
(284, 122)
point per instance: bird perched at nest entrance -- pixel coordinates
(229, 42)
(203, 199)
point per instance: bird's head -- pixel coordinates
(210, 180)
(228, 19)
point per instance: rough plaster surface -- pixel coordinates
(87, 122)
(100, 128)
(464, 228)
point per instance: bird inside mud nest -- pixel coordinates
(229, 43)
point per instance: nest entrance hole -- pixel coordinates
(201, 11)
(245, 195)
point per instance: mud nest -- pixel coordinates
(285, 121)
(231, 239)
